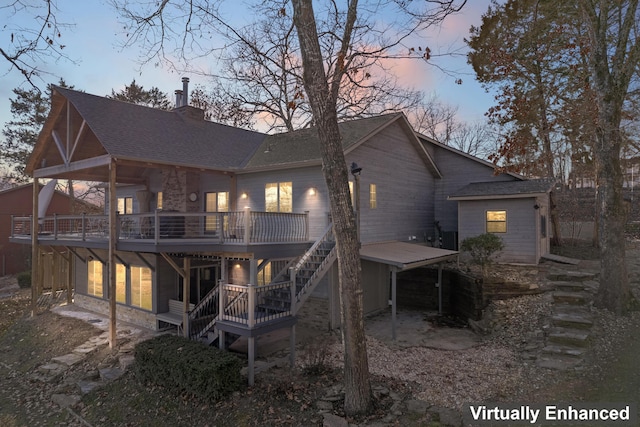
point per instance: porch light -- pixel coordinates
(355, 169)
(244, 195)
(312, 191)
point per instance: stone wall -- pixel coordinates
(133, 315)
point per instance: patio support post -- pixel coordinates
(35, 250)
(292, 275)
(70, 277)
(393, 302)
(292, 346)
(439, 285)
(113, 202)
(251, 362)
(222, 301)
(186, 289)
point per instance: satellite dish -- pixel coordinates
(44, 197)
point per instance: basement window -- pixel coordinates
(496, 221)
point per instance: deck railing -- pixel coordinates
(222, 227)
(249, 304)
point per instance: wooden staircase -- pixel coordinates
(253, 307)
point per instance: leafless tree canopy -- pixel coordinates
(31, 34)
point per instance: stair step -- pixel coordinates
(565, 286)
(569, 336)
(570, 276)
(574, 298)
(572, 318)
(566, 350)
(558, 362)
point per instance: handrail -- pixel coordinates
(244, 227)
(326, 236)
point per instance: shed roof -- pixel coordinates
(503, 189)
(404, 255)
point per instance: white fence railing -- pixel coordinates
(231, 227)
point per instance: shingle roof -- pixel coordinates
(304, 145)
(503, 189)
(136, 132)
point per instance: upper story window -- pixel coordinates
(125, 205)
(278, 197)
(496, 221)
(373, 196)
(215, 202)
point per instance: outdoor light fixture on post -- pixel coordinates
(355, 171)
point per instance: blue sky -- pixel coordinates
(100, 65)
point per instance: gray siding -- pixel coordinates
(404, 188)
(302, 179)
(457, 171)
(520, 240)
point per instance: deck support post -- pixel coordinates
(439, 285)
(394, 273)
(222, 301)
(35, 250)
(70, 276)
(113, 203)
(186, 297)
(292, 346)
(252, 357)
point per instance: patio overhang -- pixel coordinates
(401, 256)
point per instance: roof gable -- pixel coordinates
(302, 147)
(134, 132)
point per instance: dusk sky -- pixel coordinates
(100, 65)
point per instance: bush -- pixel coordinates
(482, 248)
(182, 365)
(24, 279)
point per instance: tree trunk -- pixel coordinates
(322, 99)
(614, 292)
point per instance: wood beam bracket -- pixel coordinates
(173, 264)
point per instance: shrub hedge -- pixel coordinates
(182, 365)
(24, 279)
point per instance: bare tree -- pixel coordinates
(613, 59)
(26, 47)
(329, 54)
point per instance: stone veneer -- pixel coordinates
(124, 313)
(176, 185)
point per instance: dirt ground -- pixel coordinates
(281, 397)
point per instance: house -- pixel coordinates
(226, 232)
(15, 202)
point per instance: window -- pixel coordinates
(215, 202)
(125, 205)
(159, 200)
(264, 275)
(141, 289)
(373, 196)
(496, 221)
(353, 201)
(278, 197)
(94, 278)
(121, 283)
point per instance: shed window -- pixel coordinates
(496, 221)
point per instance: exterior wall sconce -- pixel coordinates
(244, 195)
(312, 191)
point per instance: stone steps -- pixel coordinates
(571, 320)
(573, 298)
(569, 337)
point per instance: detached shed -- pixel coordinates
(517, 211)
